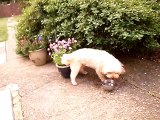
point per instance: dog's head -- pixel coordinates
(116, 75)
(114, 70)
(66, 59)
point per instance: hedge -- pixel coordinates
(113, 25)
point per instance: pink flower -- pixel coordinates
(55, 48)
(63, 41)
(51, 45)
(60, 43)
(72, 40)
(69, 40)
(65, 46)
(57, 39)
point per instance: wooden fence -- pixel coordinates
(7, 10)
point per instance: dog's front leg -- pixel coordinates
(100, 75)
(74, 72)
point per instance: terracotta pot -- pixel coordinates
(64, 70)
(38, 57)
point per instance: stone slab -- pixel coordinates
(6, 111)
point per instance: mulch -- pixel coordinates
(155, 56)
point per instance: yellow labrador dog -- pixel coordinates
(104, 63)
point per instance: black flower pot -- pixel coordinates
(64, 70)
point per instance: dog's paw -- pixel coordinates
(74, 83)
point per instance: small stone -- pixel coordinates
(17, 107)
(16, 99)
(14, 94)
(18, 115)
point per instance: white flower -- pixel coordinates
(49, 40)
(48, 49)
(60, 47)
(70, 48)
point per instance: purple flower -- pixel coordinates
(58, 45)
(40, 38)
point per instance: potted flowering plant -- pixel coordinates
(37, 51)
(57, 49)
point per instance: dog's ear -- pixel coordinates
(122, 70)
(122, 65)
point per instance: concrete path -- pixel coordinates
(3, 56)
(48, 96)
(8, 102)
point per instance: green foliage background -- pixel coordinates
(113, 25)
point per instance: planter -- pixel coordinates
(64, 70)
(38, 57)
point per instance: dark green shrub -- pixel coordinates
(114, 25)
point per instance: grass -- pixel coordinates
(3, 29)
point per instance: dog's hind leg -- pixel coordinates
(75, 68)
(83, 71)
